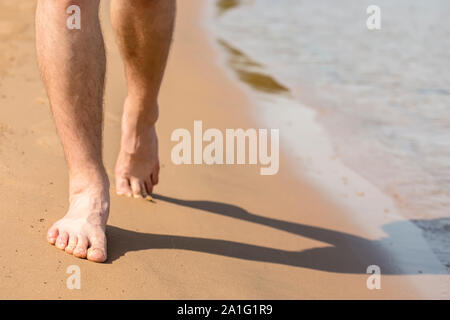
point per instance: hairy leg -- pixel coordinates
(143, 30)
(72, 64)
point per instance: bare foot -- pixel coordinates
(137, 166)
(82, 230)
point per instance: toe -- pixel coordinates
(149, 186)
(81, 248)
(97, 251)
(123, 187)
(72, 244)
(155, 175)
(144, 189)
(136, 187)
(61, 241)
(52, 234)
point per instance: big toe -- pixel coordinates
(123, 187)
(136, 186)
(97, 251)
(96, 255)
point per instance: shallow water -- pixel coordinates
(382, 96)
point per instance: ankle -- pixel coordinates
(140, 113)
(94, 180)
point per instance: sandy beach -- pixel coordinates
(211, 232)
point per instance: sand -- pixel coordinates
(212, 232)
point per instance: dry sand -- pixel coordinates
(212, 231)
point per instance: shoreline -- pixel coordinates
(322, 166)
(368, 142)
(214, 232)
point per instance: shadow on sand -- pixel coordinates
(345, 253)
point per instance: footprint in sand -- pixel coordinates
(41, 100)
(46, 136)
(51, 143)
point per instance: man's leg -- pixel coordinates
(144, 31)
(72, 64)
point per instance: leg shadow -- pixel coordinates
(345, 253)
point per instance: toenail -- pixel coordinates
(92, 251)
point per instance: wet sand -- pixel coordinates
(212, 232)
